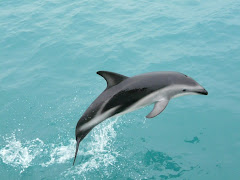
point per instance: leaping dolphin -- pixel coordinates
(125, 94)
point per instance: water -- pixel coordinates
(50, 52)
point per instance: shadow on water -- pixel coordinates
(195, 140)
(162, 165)
(160, 161)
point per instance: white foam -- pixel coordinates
(99, 148)
(18, 154)
(61, 153)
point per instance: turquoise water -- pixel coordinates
(50, 52)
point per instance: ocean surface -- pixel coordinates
(50, 52)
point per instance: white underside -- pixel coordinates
(97, 119)
(162, 94)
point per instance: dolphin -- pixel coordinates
(125, 94)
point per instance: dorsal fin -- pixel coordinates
(112, 78)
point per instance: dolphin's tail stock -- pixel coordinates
(77, 146)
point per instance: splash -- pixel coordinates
(19, 154)
(99, 150)
(61, 153)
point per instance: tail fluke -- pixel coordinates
(77, 145)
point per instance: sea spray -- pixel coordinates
(99, 149)
(20, 154)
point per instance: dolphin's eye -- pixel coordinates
(185, 75)
(184, 90)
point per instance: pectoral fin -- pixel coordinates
(158, 108)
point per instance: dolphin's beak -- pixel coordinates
(202, 91)
(77, 146)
